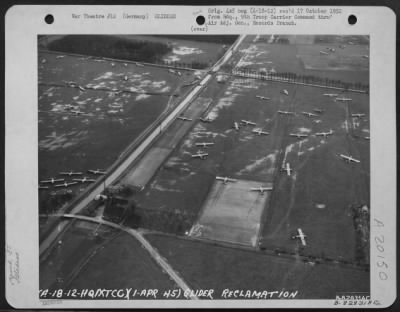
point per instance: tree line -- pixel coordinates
(111, 47)
(221, 39)
(299, 78)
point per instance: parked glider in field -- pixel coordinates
(323, 52)
(43, 187)
(260, 132)
(248, 122)
(285, 112)
(300, 236)
(70, 173)
(287, 169)
(357, 115)
(261, 189)
(200, 155)
(349, 158)
(330, 94)
(225, 179)
(285, 92)
(52, 180)
(343, 99)
(66, 184)
(84, 179)
(97, 171)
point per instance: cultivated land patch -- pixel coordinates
(206, 266)
(87, 127)
(185, 51)
(182, 195)
(123, 263)
(232, 213)
(350, 58)
(100, 257)
(348, 64)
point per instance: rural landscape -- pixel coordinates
(194, 166)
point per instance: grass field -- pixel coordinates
(110, 120)
(80, 242)
(89, 257)
(232, 213)
(182, 184)
(254, 251)
(135, 268)
(187, 51)
(205, 266)
(320, 177)
(347, 64)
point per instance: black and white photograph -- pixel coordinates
(200, 157)
(215, 163)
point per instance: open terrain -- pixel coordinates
(226, 235)
(206, 266)
(103, 258)
(90, 110)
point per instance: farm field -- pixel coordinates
(88, 129)
(188, 51)
(200, 199)
(176, 192)
(347, 64)
(98, 251)
(207, 266)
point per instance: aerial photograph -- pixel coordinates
(203, 167)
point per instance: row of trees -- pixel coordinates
(192, 65)
(298, 78)
(361, 217)
(112, 47)
(221, 39)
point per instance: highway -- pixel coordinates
(129, 159)
(153, 253)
